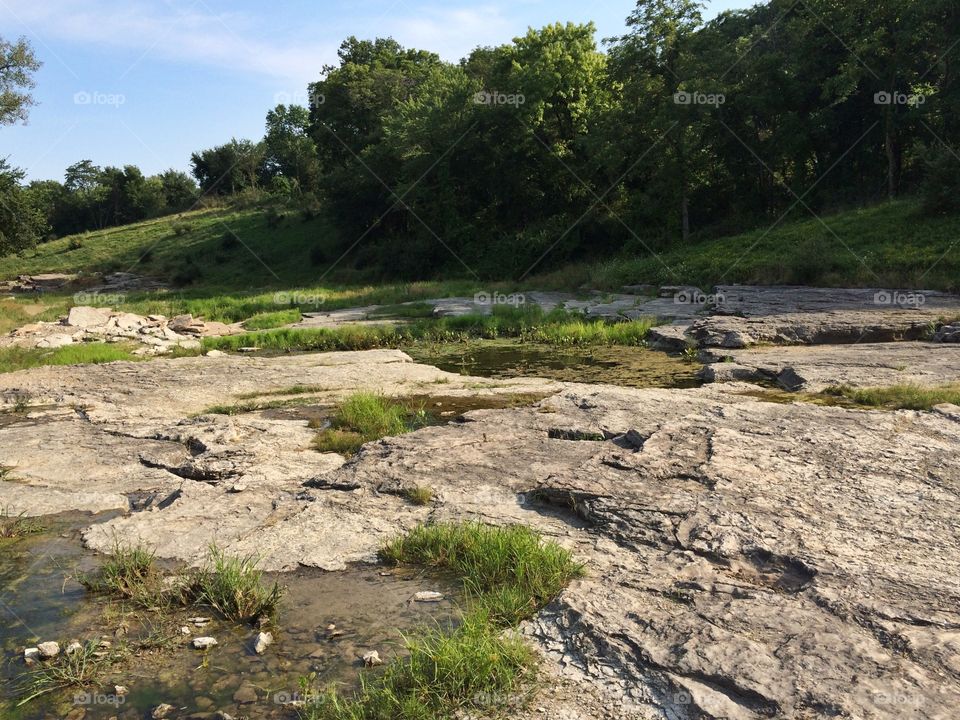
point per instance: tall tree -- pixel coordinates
(17, 65)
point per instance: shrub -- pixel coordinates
(233, 586)
(181, 228)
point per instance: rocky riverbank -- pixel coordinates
(746, 559)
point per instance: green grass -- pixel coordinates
(892, 245)
(233, 586)
(899, 397)
(511, 570)
(16, 358)
(528, 324)
(408, 310)
(13, 527)
(130, 574)
(270, 320)
(80, 668)
(509, 574)
(362, 418)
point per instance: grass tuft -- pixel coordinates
(80, 668)
(234, 587)
(17, 526)
(419, 495)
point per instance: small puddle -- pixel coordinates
(41, 601)
(626, 366)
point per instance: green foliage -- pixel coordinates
(270, 320)
(18, 63)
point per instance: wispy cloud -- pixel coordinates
(192, 32)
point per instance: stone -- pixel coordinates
(204, 643)
(48, 650)
(184, 630)
(245, 695)
(31, 655)
(215, 354)
(55, 341)
(428, 596)
(372, 659)
(120, 690)
(84, 316)
(262, 641)
(72, 647)
(162, 712)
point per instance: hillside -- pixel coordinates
(235, 251)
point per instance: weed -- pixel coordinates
(419, 495)
(16, 526)
(82, 667)
(362, 418)
(234, 587)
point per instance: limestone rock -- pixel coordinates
(48, 650)
(84, 316)
(204, 643)
(262, 642)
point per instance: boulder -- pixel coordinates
(84, 316)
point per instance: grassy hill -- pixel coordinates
(228, 264)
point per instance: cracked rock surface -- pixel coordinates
(745, 559)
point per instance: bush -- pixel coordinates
(75, 243)
(230, 240)
(181, 228)
(274, 218)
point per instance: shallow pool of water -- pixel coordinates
(627, 366)
(329, 620)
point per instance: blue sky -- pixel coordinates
(150, 81)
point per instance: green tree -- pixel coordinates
(290, 151)
(17, 65)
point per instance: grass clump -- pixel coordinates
(899, 397)
(13, 527)
(362, 418)
(131, 574)
(509, 573)
(234, 587)
(419, 495)
(82, 667)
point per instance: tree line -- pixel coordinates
(554, 148)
